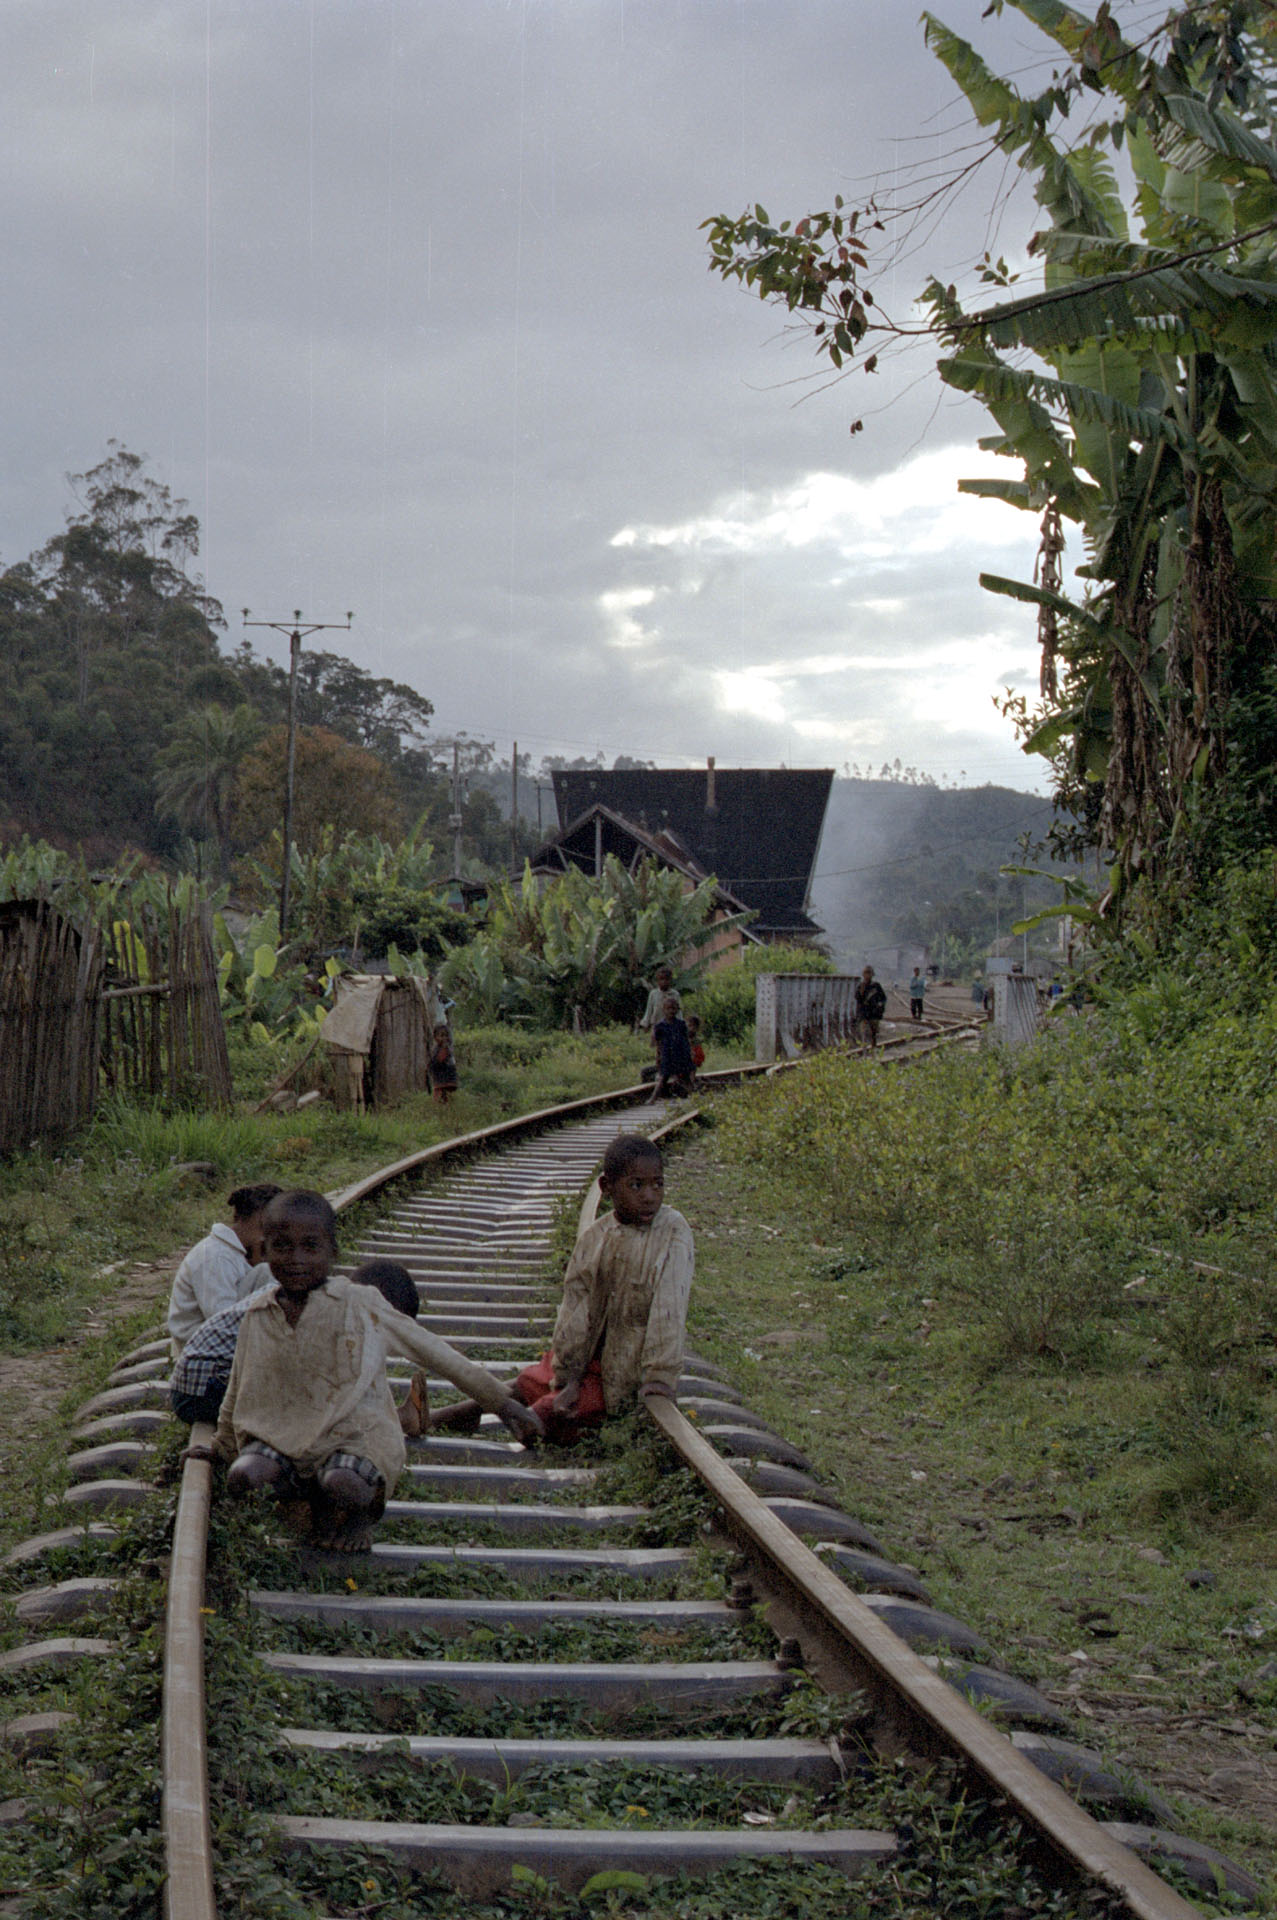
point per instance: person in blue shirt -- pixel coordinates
(674, 1067)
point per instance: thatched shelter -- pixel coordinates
(378, 1035)
(50, 987)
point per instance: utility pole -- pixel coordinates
(455, 821)
(296, 631)
(514, 806)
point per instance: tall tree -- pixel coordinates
(339, 789)
(197, 771)
(386, 716)
(104, 639)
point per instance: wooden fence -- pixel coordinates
(162, 1029)
(130, 1006)
(50, 979)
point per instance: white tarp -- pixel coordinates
(352, 1018)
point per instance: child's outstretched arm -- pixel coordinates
(405, 1336)
(667, 1319)
(578, 1323)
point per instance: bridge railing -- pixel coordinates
(802, 1012)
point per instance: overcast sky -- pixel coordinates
(408, 298)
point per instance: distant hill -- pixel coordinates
(904, 862)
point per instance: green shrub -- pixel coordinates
(1037, 1195)
(725, 1001)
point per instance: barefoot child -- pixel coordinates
(308, 1410)
(619, 1331)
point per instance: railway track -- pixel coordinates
(527, 1658)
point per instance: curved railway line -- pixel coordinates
(463, 1614)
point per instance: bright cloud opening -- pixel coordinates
(619, 607)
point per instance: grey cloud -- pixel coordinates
(435, 323)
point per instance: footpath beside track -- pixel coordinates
(693, 1649)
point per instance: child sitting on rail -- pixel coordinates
(620, 1327)
(308, 1412)
(200, 1378)
(222, 1268)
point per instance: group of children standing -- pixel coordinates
(677, 1042)
(293, 1366)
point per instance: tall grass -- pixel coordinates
(1039, 1195)
(157, 1140)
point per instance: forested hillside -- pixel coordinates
(916, 862)
(128, 721)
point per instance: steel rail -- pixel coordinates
(889, 1665)
(188, 1891)
(188, 1887)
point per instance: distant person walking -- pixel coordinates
(871, 1004)
(917, 993)
(444, 1078)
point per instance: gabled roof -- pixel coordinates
(599, 831)
(756, 829)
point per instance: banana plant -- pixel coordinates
(578, 951)
(1150, 420)
(1136, 390)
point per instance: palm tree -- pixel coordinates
(196, 771)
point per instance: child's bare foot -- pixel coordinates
(341, 1532)
(338, 1525)
(414, 1414)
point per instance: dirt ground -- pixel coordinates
(33, 1385)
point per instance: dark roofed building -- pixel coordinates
(599, 835)
(757, 830)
